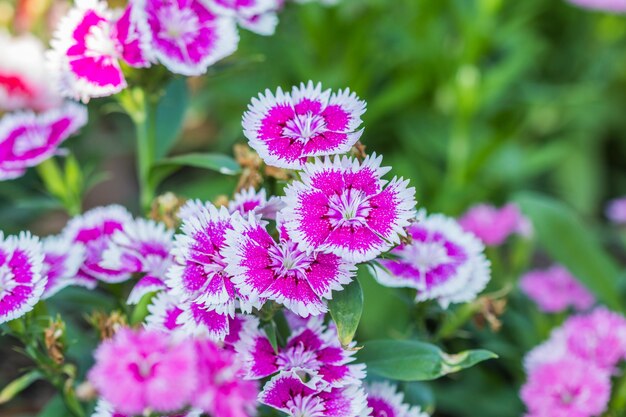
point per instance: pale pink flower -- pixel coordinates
(62, 260)
(186, 36)
(258, 16)
(555, 289)
(384, 400)
(344, 207)
(494, 225)
(137, 370)
(27, 139)
(287, 128)
(249, 201)
(569, 387)
(21, 280)
(442, 262)
(551, 350)
(24, 81)
(263, 269)
(618, 6)
(286, 392)
(616, 210)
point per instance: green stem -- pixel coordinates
(146, 154)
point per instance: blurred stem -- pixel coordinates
(618, 402)
(55, 183)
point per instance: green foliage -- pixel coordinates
(346, 308)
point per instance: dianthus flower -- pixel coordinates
(494, 225)
(616, 210)
(385, 401)
(198, 319)
(344, 207)
(286, 392)
(142, 246)
(186, 36)
(62, 260)
(551, 350)
(285, 129)
(258, 16)
(312, 351)
(221, 391)
(569, 387)
(93, 230)
(163, 312)
(555, 289)
(21, 280)
(24, 81)
(104, 409)
(249, 201)
(27, 139)
(136, 370)
(262, 269)
(442, 261)
(618, 6)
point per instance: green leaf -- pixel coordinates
(170, 115)
(569, 241)
(217, 162)
(346, 308)
(270, 331)
(411, 360)
(55, 408)
(73, 175)
(19, 385)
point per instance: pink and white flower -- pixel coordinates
(133, 44)
(443, 262)
(258, 16)
(287, 128)
(286, 392)
(617, 6)
(344, 207)
(163, 312)
(262, 269)
(24, 81)
(104, 409)
(555, 289)
(21, 280)
(312, 351)
(62, 260)
(250, 201)
(27, 139)
(186, 36)
(494, 225)
(198, 319)
(94, 230)
(384, 400)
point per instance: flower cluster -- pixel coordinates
(570, 373)
(494, 225)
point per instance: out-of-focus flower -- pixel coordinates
(442, 261)
(616, 210)
(258, 16)
(262, 269)
(344, 207)
(136, 370)
(385, 401)
(104, 409)
(246, 201)
(551, 350)
(494, 225)
(187, 37)
(618, 6)
(555, 289)
(24, 81)
(21, 280)
(27, 139)
(285, 129)
(93, 230)
(134, 47)
(62, 259)
(569, 387)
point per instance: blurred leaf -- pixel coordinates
(216, 162)
(346, 308)
(73, 175)
(170, 115)
(19, 385)
(411, 360)
(55, 408)
(270, 331)
(570, 242)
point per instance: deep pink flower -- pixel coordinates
(286, 392)
(186, 36)
(618, 6)
(313, 351)
(555, 289)
(104, 409)
(443, 262)
(616, 210)
(198, 319)
(136, 370)
(221, 390)
(24, 80)
(344, 207)
(385, 401)
(134, 45)
(62, 260)
(21, 280)
(93, 230)
(258, 16)
(262, 269)
(569, 387)
(250, 201)
(494, 225)
(27, 139)
(285, 129)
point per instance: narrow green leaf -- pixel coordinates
(569, 241)
(411, 360)
(55, 408)
(270, 331)
(18, 385)
(346, 308)
(73, 175)
(216, 162)
(170, 115)
(141, 309)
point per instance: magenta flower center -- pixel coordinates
(350, 208)
(304, 127)
(179, 25)
(288, 261)
(297, 357)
